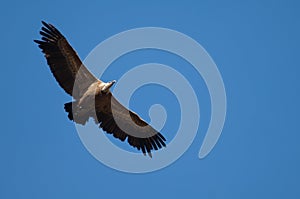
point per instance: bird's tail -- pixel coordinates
(68, 109)
(76, 115)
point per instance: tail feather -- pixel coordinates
(68, 109)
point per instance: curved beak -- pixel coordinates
(111, 83)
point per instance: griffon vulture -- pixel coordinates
(92, 97)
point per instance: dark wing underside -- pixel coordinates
(64, 62)
(75, 79)
(122, 123)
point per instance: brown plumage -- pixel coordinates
(92, 96)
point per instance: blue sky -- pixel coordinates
(255, 45)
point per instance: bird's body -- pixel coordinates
(95, 89)
(85, 105)
(92, 97)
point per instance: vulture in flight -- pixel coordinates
(92, 97)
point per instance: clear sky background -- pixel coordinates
(255, 45)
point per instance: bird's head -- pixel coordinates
(107, 86)
(112, 82)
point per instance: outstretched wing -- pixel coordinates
(115, 119)
(64, 62)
